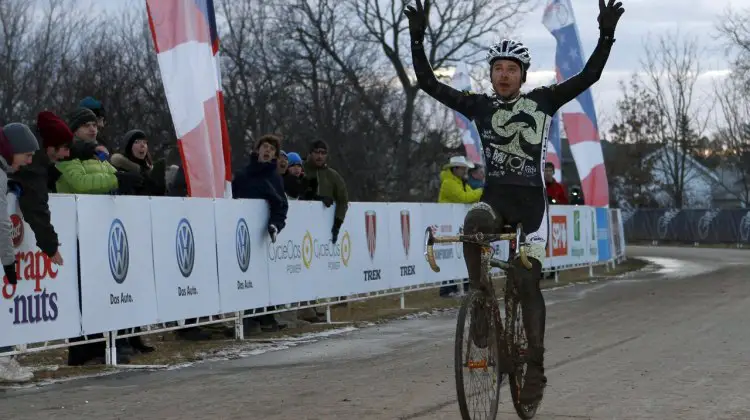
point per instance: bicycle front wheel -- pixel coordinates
(478, 377)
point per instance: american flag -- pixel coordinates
(578, 115)
(187, 46)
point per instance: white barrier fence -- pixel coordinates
(147, 261)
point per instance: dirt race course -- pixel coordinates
(669, 342)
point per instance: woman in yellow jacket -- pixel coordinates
(453, 187)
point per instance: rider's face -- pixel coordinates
(506, 77)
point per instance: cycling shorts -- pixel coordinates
(528, 205)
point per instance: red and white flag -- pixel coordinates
(187, 46)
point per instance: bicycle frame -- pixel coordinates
(484, 240)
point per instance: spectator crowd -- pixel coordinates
(71, 155)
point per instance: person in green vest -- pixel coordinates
(326, 185)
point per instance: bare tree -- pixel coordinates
(734, 28)
(672, 69)
(733, 137)
(635, 135)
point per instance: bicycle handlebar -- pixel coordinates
(478, 238)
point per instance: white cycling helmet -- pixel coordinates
(510, 49)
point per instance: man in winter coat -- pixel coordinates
(38, 179)
(17, 147)
(326, 185)
(260, 179)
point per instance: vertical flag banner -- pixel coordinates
(187, 45)
(554, 149)
(578, 115)
(469, 134)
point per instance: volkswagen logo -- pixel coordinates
(242, 245)
(119, 252)
(185, 247)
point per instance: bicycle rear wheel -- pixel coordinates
(478, 377)
(518, 350)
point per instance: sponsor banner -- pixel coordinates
(242, 248)
(592, 245)
(620, 233)
(184, 258)
(602, 234)
(558, 244)
(614, 228)
(576, 235)
(444, 220)
(407, 263)
(117, 270)
(43, 305)
(369, 260)
(304, 264)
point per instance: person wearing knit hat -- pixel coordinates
(17, 146)
(82, 122)
(95, 106)
(101, 117)
(38, 179)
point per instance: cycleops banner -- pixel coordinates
(43, 305)
(688, 225)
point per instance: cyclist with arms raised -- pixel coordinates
(513, 127)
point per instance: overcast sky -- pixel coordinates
(642, 19)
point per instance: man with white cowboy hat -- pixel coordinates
(453, 186)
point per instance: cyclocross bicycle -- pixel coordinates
(494, 346)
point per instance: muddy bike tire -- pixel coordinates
(514, 336)
(472, 298)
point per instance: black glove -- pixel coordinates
(10, 273)
(418, 18)
(273, 231)
(327, 201)
(335, 230)
(128, 182)
(608, 17)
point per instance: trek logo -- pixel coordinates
(185, 247)
(242, 245)
(119, 251)
(559, 236)
(371, 232)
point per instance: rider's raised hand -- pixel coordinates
(609, 14)
(418, 18)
